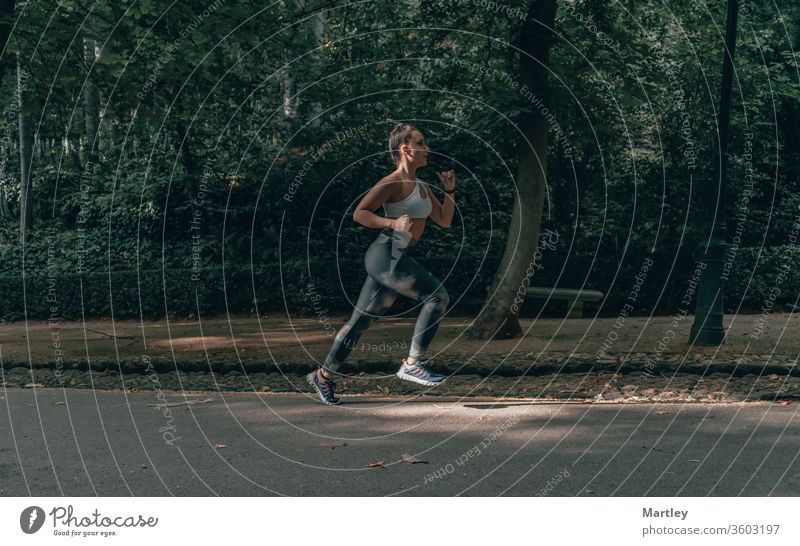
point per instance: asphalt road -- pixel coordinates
(112, 443)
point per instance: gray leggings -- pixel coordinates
(391, 271)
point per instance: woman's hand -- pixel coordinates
(402, 223)
(448, 179)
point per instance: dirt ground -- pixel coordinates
(753, 338)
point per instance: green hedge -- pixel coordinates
(154, 293)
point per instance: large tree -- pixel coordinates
(498, 318)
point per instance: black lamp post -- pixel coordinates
(707, 328)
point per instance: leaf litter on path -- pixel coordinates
(185, 402)
(409, 458)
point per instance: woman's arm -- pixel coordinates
(442, 213)
(375, 197)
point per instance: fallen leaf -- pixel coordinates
(375, 464)
(186, 402)
(334, 446)
(409, 458)
(219, 446)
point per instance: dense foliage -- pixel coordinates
(235, 139)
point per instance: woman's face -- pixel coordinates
(416, 150)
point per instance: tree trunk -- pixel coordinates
(309, 39)
(319, 39)
(184, 143)
(94, 51)
(498, 318)
(6, 21)
(25, 156)
(91, 102)
(291, 101)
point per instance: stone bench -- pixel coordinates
(574, 297)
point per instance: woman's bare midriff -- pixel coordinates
(416, 228)
(417, 224)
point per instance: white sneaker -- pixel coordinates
(419, 373)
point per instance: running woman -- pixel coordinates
(407, 202)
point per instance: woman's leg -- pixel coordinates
(412, 280)
(373, 302)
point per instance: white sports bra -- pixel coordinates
(414, 205)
